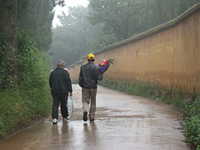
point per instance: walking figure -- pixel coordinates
(88, 80)
(60, 83)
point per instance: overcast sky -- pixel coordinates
(68, 3)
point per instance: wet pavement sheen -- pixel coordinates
(122, 121)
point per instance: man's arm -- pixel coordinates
(68, 82)
(99, 75)
(50, 80)
(81, 78)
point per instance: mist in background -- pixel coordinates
(90, 26)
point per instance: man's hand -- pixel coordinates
(70, 94)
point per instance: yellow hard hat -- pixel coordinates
(91, 56)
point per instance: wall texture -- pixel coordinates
(168, 55)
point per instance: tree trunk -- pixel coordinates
(8, 30)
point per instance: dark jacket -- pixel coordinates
(60, 82)
(89, 76)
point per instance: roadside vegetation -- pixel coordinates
(30, 99)
(25, 37)
(188, 103)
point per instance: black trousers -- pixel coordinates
(57, 99)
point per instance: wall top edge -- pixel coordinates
(148, 32)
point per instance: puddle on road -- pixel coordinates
(104, 114)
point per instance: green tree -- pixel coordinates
(58, 2)
(157, 12)
(8, 44)
(37, 16)
(34, 15)
(70, 40)
(185, 4)
(120, 17)
(126, 18)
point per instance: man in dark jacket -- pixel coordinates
(60, 84)
(88, 80)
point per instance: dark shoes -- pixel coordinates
(85, 116)
(92, 119)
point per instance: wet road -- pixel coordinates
(122, 122)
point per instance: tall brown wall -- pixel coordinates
(168, 55)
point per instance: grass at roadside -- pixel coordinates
(19, 107)
(31, 100)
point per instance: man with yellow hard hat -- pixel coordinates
(88, 80)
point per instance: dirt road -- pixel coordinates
(122, 122)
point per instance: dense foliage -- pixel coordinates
(126, 18)
(25, 36)
(31, 98)
(37, 16)
(192, 122)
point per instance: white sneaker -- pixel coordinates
(54, 121)
(65, 119)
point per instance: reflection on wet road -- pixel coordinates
(122, 122)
